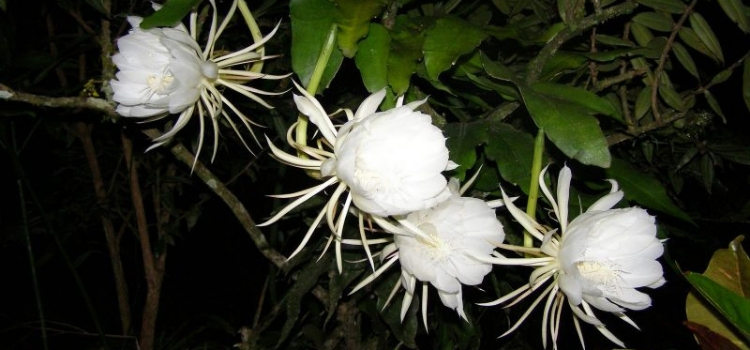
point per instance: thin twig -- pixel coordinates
(637, 131)
(113, 243)
(535, 67)
(235, 205)
(663, 59)
(95, 104)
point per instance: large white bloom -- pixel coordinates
(597, 260)
(606, 254)
(390, 162)
(161, 71)
(438, 246)
(164, 71)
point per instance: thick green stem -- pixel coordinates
(315, 78)
(536, 169)
(255, 31)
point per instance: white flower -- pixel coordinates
(161, 71)
(597, 260)
(606, 254)
(390, 162)
(164, 71)
(438, 246)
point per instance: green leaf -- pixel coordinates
(311, 22)
(733, 153)
(610, 55)
(563, 62)
(658, 21)
(340, 281)
(721, 77)
(512, 150)
(307, 279)
(642, 103)
(669, 6)
(569, 126)
(353, 18)
(714, 104)
(708, 339)
(170, 14)
(406, 51)
(4, 5)
(671, 97)
(653, 49)
(706, 35)
(707, 172)
(683, 56)
(372, 58)
(507, 90)
(641, 64)
(730, 268)
(578, 96)
(446, 41)
(469, 65)
(644, 189)
(462, 141)
(735, 308)
(689, 37)
(612, 40)
(498, 70)
(687, 157)
(614, 100)
(746, 82)
(641, 34)
(735, 11)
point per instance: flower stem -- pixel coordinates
(255, 31)
(536, 168)
(312, 86)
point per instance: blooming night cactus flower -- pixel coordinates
(390, 162)
(597, 260)
(164, 71)
(438, 245)
(606, 255)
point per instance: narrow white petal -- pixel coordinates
(308, 234)
(606, 202)
(528, 223)
(313, 191)
(563, 194)
(370, 104)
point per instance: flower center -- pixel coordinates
(601, 275)
(159, 83)
(370, 182)
(433, 245)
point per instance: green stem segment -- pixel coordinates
(255, 31)
(315, 78)
(536, 169)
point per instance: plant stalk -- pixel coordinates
(312, 86)
(536, 169)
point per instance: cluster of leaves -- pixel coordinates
(586, 77)
(505, 75)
